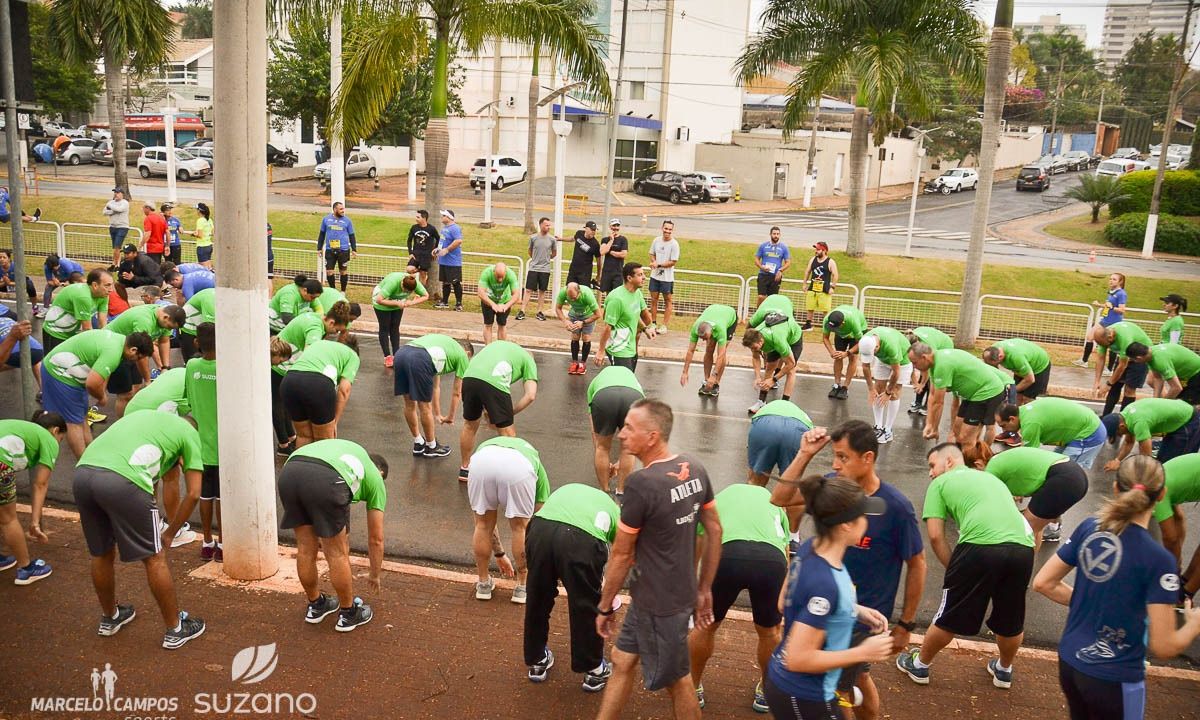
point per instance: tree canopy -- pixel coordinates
(198, 23)
(62, 87)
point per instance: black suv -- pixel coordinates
(1033, 176)
(672, 186)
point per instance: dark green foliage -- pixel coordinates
(1174, 235)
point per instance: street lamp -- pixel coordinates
(562, 128)
(918, 153)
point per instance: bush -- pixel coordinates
(1174, 235)
(1180, 193)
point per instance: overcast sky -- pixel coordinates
(1074, 12)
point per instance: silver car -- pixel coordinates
(358, 164)
(79, 150)
(204, 152)
(716, 187)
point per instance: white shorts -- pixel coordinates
(501, 476)
(880, 371)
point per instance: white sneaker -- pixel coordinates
(1079, 363)
(662, 330)
(483, 591)
(885, 437)
(758, 405)
(519, 594)
(183, 536)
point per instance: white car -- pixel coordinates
(153, 161)
(505, 171)
(54, 128)
(960, 179)
(716, 187)
(1116, 166)
(358, 164)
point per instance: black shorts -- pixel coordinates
(309, 397)
(609, 407)
(842, 344)
(210, 483)
(420, 263)
(1041, 383)
(313, 493)
(767, 284)
(490, 316)
(537, 280)
(479, 396)
(756, 567)
(850, 674)
(983, 574)
(341, 258)
(450, 274)
(625, 362)
(124, 378)
(786, 707)
(1090, 698)
(1191, 391)
(1134, 376)
(1066, 484)
(114, 511)
(582, 277)
(414, 373)
(610, 282)
(798, 348)
(980, 412)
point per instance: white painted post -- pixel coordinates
(169, 131)
(919, 153)
(487, 174)
(562, 129)
(337, 160)
(412, 180)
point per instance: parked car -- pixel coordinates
(1126, 153)
(207, 153)
(669, 185)
(1077, 159)
(153, 161)
(1139, 165)
(99, 134)
(1054, 164)
(505, 170)
(198, 142)
(1116, 166)
(359, 164)
(103, 152)
(54, 128)
(716, 187)
(960, 179)
(79, 150)
(1033, 176)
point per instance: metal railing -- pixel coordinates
(91, 243)
(695, 290)
(794, 290)
(905, 308)
(1151, 321)
(41, 238)
(1044, 321)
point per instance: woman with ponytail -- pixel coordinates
(31, 446)
(1125, 581)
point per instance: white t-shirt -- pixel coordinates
(664, 251)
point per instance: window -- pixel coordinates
(637, 90)
(635, 158)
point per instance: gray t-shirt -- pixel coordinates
(662, 505)
(664, 251)
(118, 213)
(541, 249)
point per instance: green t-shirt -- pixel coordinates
(1156, 416)
(779, 304)
(448, 356)
(204, 226)
(582, 506)
(893, 346)
(502, 363)
(139, 318)
(72, 306)
(1023, 469)
(98, 351)
(623, 311)
(1023, 357)
(499, 291)
(780, 338)
(854, 323)
(583, 306)
(1056, 421)
(721, 317)
(24, 444)
(1171, 325)
(965, 375)
(288, 302)
(327, 299)
(980, 504)
(304, 330)
(785, 408)
(747, 514)
(613, 376)
(1125, 333)
(200, 387)
(330, 358)
(201, 308)
(354, 465)
(933, 337)
(1183, 483)
(391, 287)
(1171, 360)
(143, 446)
(165, 394)
(542, 491)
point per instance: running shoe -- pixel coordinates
(1011, 439)
(285, 450)
(885, 437)
(109, 626)
(1079, 363)
(541, 316)
(520, 594)
(418, 448)
(189, 628)
(851, 699)
(906, 662)
(40, 311)
(833, 392)
(1052, 532)
(618, 497)
(37, 570)
(37, 214)
(595, 680)
(219, 555)
(700, 695)
(662, 330)
(758, 405)
(357, 614)
(1000, 678)
(183, 536)
(463, 472)
(458, 307)
(843, 393)
(520, 315)
(483, 590)
(703, 391)
(321, 608)
(207, 550)
(95, 416)
(538, 672)
(924, 410)
(436, 450)
(914, 409)
(760, 699)
(878, 431)
(806, 326)
(7, 561)
(441, 305)
(715, 390)
(388, 361)
(793, 547)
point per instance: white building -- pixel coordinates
(1049, 25)
(1125, 20)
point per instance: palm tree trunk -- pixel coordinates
(531, 139)
(859, 132)
(115, 94)
(437, 140)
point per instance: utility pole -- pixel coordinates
(1057, 98)
(562, 130)
(616, 117)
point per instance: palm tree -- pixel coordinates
(134, 34)
(1097, 191)
(875, 48)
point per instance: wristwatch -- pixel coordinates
(607, 612)
(909, 626)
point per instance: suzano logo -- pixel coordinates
(253, 665)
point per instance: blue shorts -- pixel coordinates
(1183, 441)
(35, 355)
(414, 373)
(1084, 451)
(773, 442)
(662, 286)
(67, 400)
(204, 253)
(1135, 375)
(117, 235)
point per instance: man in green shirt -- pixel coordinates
(774, 439)
(775, 345)
(1125, 380)
(715, 327)
(937, 340)
(610, 395)
(568, 541)
(1028, 362)
(200, 392)
(847, 324)
(157, 321)
(487, 387)
(418, 368)
(887, 369)
(1050, 480)
(114, 492)
(992, 563)
(33, 446)
(1072, 428)
(75, 305)
(1182, 486)
(977, 386)
(1175, 370)
(394, 292)
(498, 290)
(164, 394)
(317, 485)
(579, 321)
(1176, 421)
(294, 298)
(625, 311)
(316, 389)
(199, 308)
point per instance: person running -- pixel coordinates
(337, 242)
(113, 490)
(117, 211)
(31, 446)
(75, 305)
(1125, 380)
(1071, 427)
(422, 243)
(204, 235)
(154, 227)
(156, 321)
(8, 281)
(506, 471)
(610, 395)
(1050, 480)
(772, 260)
(664, 256)
(6, 212)
(292, 299)
(394, 292)
(887, 369)
(777, 343)
(449, 255)
(317, 485)
(585, 258)
(174, 229)
(568, 540)
(1111, 311)
(579, 320)
(821, 280)
(754, 546)
(199, 308)
(1177, 422)
(305, 329)
(81, 367)
(1182, 486)
(847, 324)
(666, 500)
(715, 327)
(486, 388)
(419, 366)
(316, 388)
(543, 248)
(1171, 331)
(937, 340)
(1122, 603)
(991, 564)
(821, 608)
(613, 253)
(977, 385)
(1028, 362)
(58, 271)
(498, 290)
(625, 312)
(200, 392)
(1175, 370)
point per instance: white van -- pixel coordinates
(1116, 166)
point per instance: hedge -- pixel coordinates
(1174, 235)
(1180, 193)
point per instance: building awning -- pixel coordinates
(625, 120)
(154, 121)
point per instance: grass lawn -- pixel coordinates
(1081, 229)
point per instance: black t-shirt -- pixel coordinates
(584, 257)
(662, 505)
(613, 265)
(422, 241)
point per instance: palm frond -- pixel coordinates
(379, 54)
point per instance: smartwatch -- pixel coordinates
(909, 626)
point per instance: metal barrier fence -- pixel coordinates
(907, 308)
(91, 243)
(1151, 321)
(41, 239)
(1046, 321)
(794, 290)
(695, 290)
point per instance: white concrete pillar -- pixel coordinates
(337, 163)
(247, 447)
(169, 134)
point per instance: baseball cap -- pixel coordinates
(148, 204)
(613, 222)
(1112, 425)
(868, 345)
(590, 224)
(821, 246)
(835, 319)
(129, 248)
(118, 189)
(447, 213)
(866, 505)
